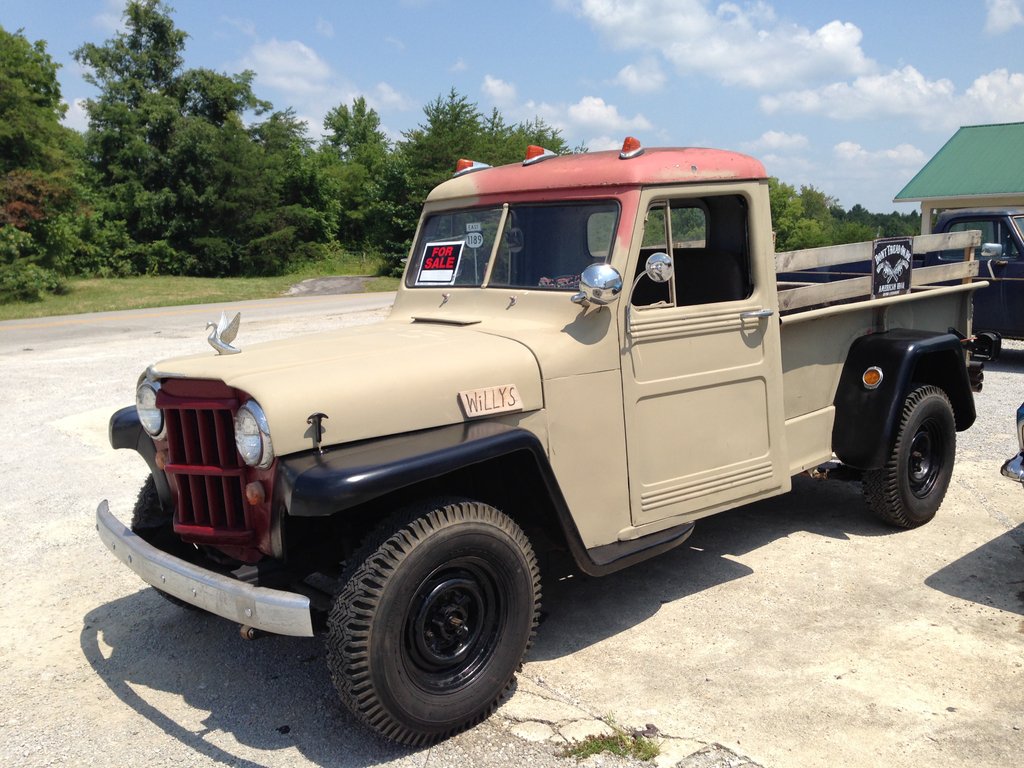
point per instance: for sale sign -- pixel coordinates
(440, 263)
(891, 266)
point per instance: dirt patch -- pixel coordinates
(323, 286)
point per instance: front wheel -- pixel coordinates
(908, 490)
(151, 524)
(429, 630)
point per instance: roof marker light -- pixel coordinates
(467, 166)
(535, 154)
(631, 148)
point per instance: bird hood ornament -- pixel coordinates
(223, 333)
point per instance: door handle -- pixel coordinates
(756, 314)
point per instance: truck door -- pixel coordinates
(701, 368)
(1000, 307)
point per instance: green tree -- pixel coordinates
(356, 135)
(39, 173)
(451, 131)
(197, 190)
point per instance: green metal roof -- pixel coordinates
(978, 160)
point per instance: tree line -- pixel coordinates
(186, 171)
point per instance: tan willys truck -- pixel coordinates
(588, 352)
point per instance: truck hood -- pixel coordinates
(382, 379)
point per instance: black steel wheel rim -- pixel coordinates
(453, 624)
(926, 458)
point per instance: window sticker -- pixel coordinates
(440, 263)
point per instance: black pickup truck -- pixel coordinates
(1000, 307)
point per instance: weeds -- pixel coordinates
(618, 742)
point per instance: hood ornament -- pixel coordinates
(224, 333)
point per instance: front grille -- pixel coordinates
(205, 467)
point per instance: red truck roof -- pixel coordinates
(602, 170)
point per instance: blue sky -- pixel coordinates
(852, 98)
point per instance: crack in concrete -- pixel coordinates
(528, 715)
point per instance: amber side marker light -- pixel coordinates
(255, 493)
(872, 377)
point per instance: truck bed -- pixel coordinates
(822, 316)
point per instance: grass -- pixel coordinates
(618, 742)
(109, 294)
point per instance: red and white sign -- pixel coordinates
(440, 263)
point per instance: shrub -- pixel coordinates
(24, 281)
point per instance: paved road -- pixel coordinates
(797, 631)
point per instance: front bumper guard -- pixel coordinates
(1014, 468)
(270, 610)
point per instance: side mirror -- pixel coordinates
(659, 267)
(600, 284)
(991, 251)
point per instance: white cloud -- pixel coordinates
(290, 66)
(777, 141)
(111, 18)
(601, 143)
(643, 77)
(902, 155)
(459, 65)
(387, 97)
(324, 28)
(999, 95)
(76, 117)
(747, 46)
(1003, 15)
(246, 26)
(905, 92)
(594, 112)
(500, 92)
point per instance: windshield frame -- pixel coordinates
(428, 237)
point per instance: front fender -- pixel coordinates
(314, 484)
(125, 431)
(318, 485)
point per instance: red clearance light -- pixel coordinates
(631, 147)
(535, 154)
(466, 166)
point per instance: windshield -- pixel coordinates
(540, 246)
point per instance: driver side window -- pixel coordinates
(708, 243)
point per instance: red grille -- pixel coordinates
(207, 472)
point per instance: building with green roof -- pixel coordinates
(981, 165)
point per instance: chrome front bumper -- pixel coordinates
(1014, 468)
(271, 610)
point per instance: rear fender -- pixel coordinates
(867, 419)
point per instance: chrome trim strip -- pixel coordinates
(272, 610)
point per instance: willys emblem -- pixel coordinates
(224, 333)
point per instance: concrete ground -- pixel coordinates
(793, 632)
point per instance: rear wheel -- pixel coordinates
(427, 634)
(908, 490)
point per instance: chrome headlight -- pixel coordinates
(152, 418)
(252, 436)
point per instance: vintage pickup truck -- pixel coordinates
(588, 352)
(1000, 307)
